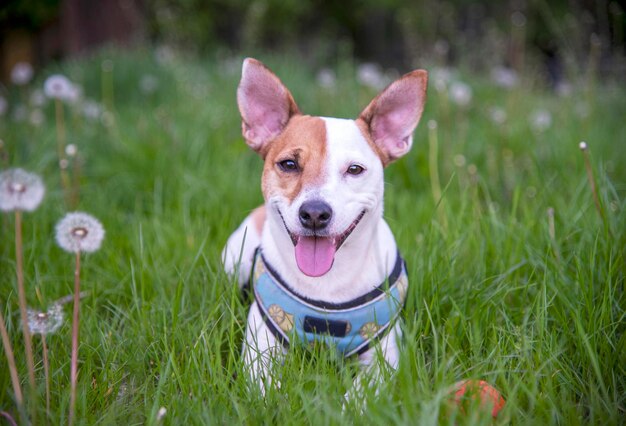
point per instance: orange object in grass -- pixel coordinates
(472, 389)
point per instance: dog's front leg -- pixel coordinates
(261, 351)
(376, 363)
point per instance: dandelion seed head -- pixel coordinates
(432, 124)
(36, 117)
(37, 98)
(459, 160)
(371, 75)
(74, 94)
(161, 413)
(504, 77)
(541, 120)
(582, 146)
(326, 78)
(20, 190)
(440, 85)
(91, 109)
(165, 55)
(107, 119)
(497, 115)
(20, 113)
(460, 93)
(107, 65)
(79, 232)
(148, 84)
(71, 150)
(564, 89)
(518, 19)
(21, 73)
(58, 86)
(47, 322)
(64, 164)
(442, 47)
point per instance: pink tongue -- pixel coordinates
(315, 255)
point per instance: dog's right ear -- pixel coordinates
(265, 104)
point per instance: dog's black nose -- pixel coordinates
(315, 215)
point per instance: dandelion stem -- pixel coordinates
(552, 234)
(74, 361)
(46, 371)
(75, 182)
(8, 350)
(22, 299)
(592, 181)
(61, 138)
(435, 185)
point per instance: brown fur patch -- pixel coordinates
(304, 141)
(365, 131)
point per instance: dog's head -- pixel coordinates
(323, 177)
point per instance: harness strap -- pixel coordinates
(350, 326)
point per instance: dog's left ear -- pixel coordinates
(394, 114)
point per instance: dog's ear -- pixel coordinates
(265, 105)
(393, 115)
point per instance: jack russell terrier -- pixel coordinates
(320, 259)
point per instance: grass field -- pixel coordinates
(500, 289)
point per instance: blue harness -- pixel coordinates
(349, 327)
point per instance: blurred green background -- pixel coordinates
(517, 276)
(554, 39)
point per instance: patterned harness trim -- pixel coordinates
(349, 327)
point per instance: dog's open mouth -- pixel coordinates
(315, 253)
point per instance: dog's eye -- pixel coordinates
(288, 166)
(355, 169)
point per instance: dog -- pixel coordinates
(321, 261)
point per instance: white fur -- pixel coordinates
(362, 263)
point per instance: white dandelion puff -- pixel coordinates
(371, 75)
(21, 73)
(161, 413)
(37, 98)
(58, 86)
(460, 93)
(74, 94)
(20, 113)
(504, 77)
(582, 146)
(79, 232)
(326, 78)
(148, 84)
(497, 115)
(71, 150)
(47, 322)
(443, 74)
(564, 89)
(582, 109)
(36, 117)
(164, 54)
(91, 109)
(20, 190)
(541, 120)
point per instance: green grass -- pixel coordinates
(492, 295)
